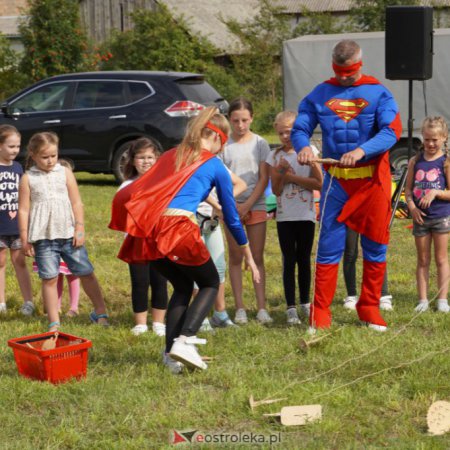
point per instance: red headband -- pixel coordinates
(223, 137)
(347, 71)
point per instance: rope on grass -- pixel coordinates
(398, 366)
(362, 355)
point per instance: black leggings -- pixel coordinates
(296, 241)
(349, 265)
(143, 277)
(182, 318)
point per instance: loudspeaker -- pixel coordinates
(409, 42)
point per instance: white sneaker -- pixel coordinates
(263, 316)
(292, 317)
(422, 306)
(386, 303)
(159, 328)
(306, 309)
(139, 329)
(185, 351)
(217, 322)
(350, 302)
(27, 309)
(442, 305)
(241, 316)
(3, 308)
(312, 331)
(174, 366)
(379, 328)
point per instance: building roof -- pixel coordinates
(203, 17)
(297, 6)
(9, 25)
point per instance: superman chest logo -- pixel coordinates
(347, 109)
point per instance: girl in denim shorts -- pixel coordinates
(428, 197)
(51, 226)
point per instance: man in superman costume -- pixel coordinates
(360, 122)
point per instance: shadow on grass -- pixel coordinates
(95, 179)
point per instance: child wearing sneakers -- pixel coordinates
(141, 156)
(428, 197)
(293, 185)
(10, 174)
(349, 269)
(51, 226)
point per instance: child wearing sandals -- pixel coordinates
(141, 156)
(10, 174)
(428, 197)
(293, 185)
(51, 226)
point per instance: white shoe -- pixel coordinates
(263, 316)
(442, 305)
(422, 306)
(241, 316)
(185, 351)
(306, 309)
(139, 329)
(350, 302)
(159, 328)
(292, 317)
(379, 328)
(174, 366)
(27, 309)
(312, 331)
(386, 303)
(3, 308)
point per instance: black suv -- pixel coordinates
(96, 114)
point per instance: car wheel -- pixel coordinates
(398, 158)
(119, 161)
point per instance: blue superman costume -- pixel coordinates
(363, 115)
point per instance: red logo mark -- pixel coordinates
(347, 109)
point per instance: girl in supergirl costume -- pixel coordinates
(168, 236)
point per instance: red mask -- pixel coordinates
(347, 71)
(223, 137)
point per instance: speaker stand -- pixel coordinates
(401, 184)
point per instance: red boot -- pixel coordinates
(325, 285)
(368, 306)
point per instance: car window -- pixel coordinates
(198, 90)
(49, 97)
(139, 90)
(99, 94)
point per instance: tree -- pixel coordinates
(321, 23)
(11, 79)
(370, 15)
(54, 40)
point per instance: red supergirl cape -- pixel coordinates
(136, 209)
(365, 79)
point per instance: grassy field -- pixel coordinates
(375, 389)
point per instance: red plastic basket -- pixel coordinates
(68, 360)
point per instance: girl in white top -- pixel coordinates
(51, 225)
(293, 185)
(245, 155)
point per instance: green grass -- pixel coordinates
(372, 396)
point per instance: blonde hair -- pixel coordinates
(283, 117)
(38, 142)
(191, 146)
(438, 125)
(6, 131)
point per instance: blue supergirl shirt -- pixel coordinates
(211, 174)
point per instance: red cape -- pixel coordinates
(137, 208)
(368, 211)
(365, 79)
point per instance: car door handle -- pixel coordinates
(52, 121)
(120, 116)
